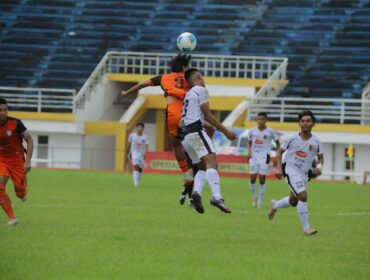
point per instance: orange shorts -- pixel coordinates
(15, 171)
(173, 117)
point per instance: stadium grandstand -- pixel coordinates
(61, 49)
(57, 43)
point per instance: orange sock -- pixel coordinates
(183, 165)
(5, 203)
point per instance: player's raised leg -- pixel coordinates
(181, 159)
(288, 201)
(19, 179)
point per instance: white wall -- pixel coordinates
(100, 102)
(64, 149)
(98, 152)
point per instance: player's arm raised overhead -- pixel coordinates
(209, 117)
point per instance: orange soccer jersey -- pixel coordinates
(173, 84)
(12, 153)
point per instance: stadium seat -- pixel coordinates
(57, 43)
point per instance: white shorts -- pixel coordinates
(296, 180)
(198, 145)
(138, 160)
(258, 168)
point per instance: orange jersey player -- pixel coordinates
(13, 165)
(175, 87)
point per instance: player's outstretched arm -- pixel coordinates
(135, 88)
(279, 156)
(29, 152)
(209, 117)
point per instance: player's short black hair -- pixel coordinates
(190, 73)
(3, 101)
(264, 114)
(140, 124)
(178, 63)
(306, 113)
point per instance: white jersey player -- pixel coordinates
(197, 143)
(301, 150)
(136, 150)
(259, 146)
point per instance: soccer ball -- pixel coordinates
(186, 42)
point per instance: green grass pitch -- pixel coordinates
(86, 225)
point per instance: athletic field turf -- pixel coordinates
(86, 225)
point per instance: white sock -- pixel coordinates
(136, 176)
(188, 176)
(283, 203)
(252, 187)
(262, 192)
(214, 182)
(303, 214)
(199, 181)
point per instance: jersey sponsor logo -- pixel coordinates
(9, 133)
(258, 141)
(302, 154)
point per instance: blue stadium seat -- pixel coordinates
(57, 43)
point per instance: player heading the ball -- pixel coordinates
(197, 143)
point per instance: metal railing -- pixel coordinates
(223, 66)
(276, 82)
(365, 105)
(327, 110)
(39, 99)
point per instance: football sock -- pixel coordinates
(185, 191)
(5, 203)
(136, 175)
(189, 189)
(199, 181)
(214, 182)
(183, 166)
(283, 203)
(303, 214)
(262, 192)
(252, 187)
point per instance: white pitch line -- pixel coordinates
(144, 208)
